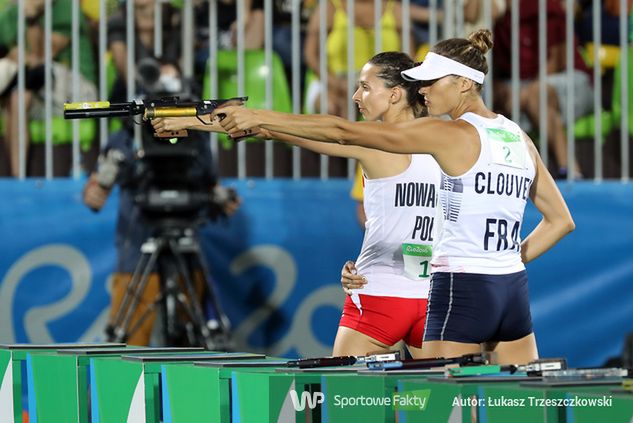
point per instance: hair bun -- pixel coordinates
(481, 40)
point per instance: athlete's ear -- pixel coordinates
(396, 95)
(466, 84)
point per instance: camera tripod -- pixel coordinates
(172, 253)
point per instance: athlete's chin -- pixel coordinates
(434, 112)
(366, 115)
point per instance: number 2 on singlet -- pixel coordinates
(506, 148)
(416, 260)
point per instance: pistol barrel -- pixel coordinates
(169, 111)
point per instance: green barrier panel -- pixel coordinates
(438, 401)
(268, 396)
(201, 391)
(613, 407)
(127, 389)
(529, 402)
(12, 362)
(192, 393)
(10, 387)
(58, 382)
(455, 399)
(366, 396)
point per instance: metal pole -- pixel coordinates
(48, 87)
(103, 88)
(378, 26)
(487, 12)
(597, 93)
(406, 25)
(187, 38)
(158, 29)
(21, 89)
(75, 89)
(433, 22)
(459, 18)
(268, 48)
(130, 40)
(213, 74)
(351, 72)
(325, 159)
(624, 92)
(542, 75)
(449, 19)
(516, 107)
(569, 54)
(296, 84)
(241, 147)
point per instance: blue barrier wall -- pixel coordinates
(277, 265)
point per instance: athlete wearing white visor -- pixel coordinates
(436, 66)
(490, 169)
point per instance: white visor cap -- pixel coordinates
(436, 66)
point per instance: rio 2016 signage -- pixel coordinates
(278, 285)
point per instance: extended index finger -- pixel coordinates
(231, 102)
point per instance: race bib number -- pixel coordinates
(507, 148)
(417, 260)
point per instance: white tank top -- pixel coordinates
(399, 232)
(483, 208)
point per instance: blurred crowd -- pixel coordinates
(163, 73)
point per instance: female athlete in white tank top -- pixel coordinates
(452, 75)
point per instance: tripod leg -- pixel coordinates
(220, 335)
(170, 274)
(223, 320)
(141, 319)
(195, 309)
(121, 322)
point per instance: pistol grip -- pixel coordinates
(172, 134)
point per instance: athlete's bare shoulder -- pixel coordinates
(534, 154)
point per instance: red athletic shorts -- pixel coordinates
(387, 319)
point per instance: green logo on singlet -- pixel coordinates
(417, 250)
(502, 135)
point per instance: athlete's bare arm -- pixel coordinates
(178, 123)
(186, 122)
(375, 163)
(556, 222)
(454, 144)
(336, 150)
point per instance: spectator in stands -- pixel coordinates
(609, 21)
(34, 57)
(227, 28)
(336, 45)
(421, 22)
(529, 68)
(143, 43)
(474, 18)
(282, 33)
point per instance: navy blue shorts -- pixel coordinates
(476, 308)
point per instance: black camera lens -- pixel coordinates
(148, 70)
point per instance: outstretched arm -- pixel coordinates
(424, 135)
(335, 150)
(556, 222)
(178, 123)
(189, 122)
